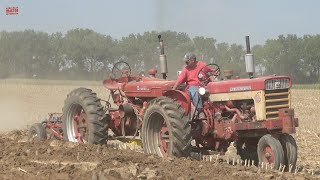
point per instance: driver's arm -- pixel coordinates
(181, 79)
(207, 69)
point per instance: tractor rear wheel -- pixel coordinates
(165, 129)
(270, 151)
(84, 119)
(37, 131)
(247, 149)
(289, 146)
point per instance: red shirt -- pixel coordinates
(189, 75)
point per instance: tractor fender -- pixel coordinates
(181, 97)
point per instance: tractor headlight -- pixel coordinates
(202, 91)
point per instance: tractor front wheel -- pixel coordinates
(84, 119)
(289, 146)
(247, 149)
(165, 129)
(270, 151)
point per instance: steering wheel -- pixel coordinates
(121, 69)
(207, 71)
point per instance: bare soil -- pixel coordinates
(22, 105)
(21, 158)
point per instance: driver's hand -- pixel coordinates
(216, 73)
(212, 79)
(125, 73)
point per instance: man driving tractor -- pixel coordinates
(189, 75)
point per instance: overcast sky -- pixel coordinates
(226, 20)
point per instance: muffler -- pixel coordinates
(249, 59)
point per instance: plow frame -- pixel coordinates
(53, 125)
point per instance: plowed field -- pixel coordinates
(22, 104)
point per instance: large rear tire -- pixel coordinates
(165, 129)
(84, 119)
(290, 149)
(270, 151)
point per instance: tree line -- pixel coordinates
(87, 55)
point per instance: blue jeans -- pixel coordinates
(195, 97)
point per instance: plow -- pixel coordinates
(253, 114)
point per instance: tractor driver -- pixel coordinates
(189, 75)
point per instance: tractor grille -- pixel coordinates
(277, 84)
(275, 100)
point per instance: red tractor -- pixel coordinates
(255, 113)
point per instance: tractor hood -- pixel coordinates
(148, 87)
(259, 83)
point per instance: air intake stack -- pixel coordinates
(163, 59)
(249, 59)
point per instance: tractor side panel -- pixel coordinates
(240, 85)
(148, 88)
(257, 96)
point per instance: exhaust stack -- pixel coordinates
(249, 59)
(163, 60)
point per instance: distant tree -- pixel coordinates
(205, 48)
(86, 54)
(311, 57)
(283, 56)
(24, 53)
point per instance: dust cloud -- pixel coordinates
(13, 112)
(21, 104)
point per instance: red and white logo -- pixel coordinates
(12, 10)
